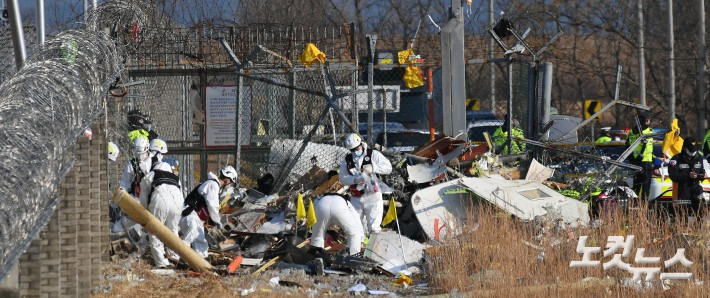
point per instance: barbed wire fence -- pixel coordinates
(51, 101)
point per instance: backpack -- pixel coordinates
(196, 202)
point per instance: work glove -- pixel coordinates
(367, 169)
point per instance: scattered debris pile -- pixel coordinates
(435, 189)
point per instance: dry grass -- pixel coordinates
(491, 258)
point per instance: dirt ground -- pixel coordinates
(133, 277)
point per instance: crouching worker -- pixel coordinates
(202, 207)
(335, 208)
(686, 169)
(161, 195)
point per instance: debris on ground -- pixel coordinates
(435, 190)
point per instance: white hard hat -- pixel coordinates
(230, 172)
(112, 151)
(159, 146)
(140, 146)
(352, 140)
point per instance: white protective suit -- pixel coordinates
(369, 205)
(334, 209)
(126, 223)
(191, 226)
(165, 201)
(128, 174)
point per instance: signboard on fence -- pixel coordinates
(220, 111)
(383, 95)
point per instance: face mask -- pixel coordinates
(691, 153)
(357, 153)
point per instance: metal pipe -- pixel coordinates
(510, 108)
(18, 36)
(135, 211)
(237, 133)
(547, 94)
(671, 66)
(370, 97)
(642, 59)
(430, 103)
(702, 69)
(40, 22)
(491, 65)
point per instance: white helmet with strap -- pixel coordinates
(140, 146)
(112, 151)
(352, 140)
(158, 145)
(229, 172)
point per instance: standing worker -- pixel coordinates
(706, 145)
(605, 135)
(202, 207)
(137, 167)
(358, 171)
(500, 136)
(686, 169)
(131, 178)
(161, 195)
(642, 156)
(140, 126)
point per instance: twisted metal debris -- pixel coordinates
(44, 108)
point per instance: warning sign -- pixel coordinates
(592, 106)
(220, 116)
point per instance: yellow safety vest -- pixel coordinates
(134, 134)
(603, 139)
(643, 151)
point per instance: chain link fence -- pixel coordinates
(282, 101)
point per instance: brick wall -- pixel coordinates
(65, 260)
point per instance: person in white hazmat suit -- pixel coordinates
(137, 167)
(336, 208)
(202, 206)
(161, 195)
(358, 171)
(135, 170)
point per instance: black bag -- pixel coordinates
(195, 201)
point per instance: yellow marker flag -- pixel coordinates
(412, 74)
(311, 54)
(391, 213)
(300, 209)
(403, 280)
(672, 142)
(311, 219)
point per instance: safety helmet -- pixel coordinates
(230, 172)
(352, 140)
(112, 151)
(140, 146)
(158, 145)
(136, 119)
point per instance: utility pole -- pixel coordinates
(491, 65)
(702, 69)
(453, 78)
(671, 66)
(642, 59)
